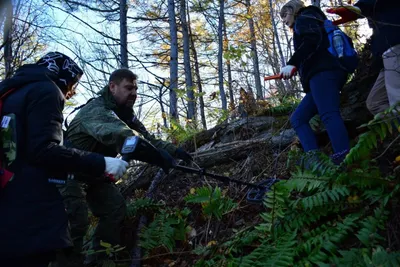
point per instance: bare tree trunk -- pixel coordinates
(220, 52)
(186, 61)
(7, 38)
(198, 77)
(278, 42)
(163, 113)
(173, 63)
(123, 9)
(228, 69)
(316, 3)
(254, 53)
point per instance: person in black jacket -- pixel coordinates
(34, 223)
(383, 16)
(321, 75)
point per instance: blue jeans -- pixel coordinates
(324, 99)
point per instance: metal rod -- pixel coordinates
(216, 176)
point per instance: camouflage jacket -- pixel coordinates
(101, 126)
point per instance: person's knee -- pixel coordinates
(119, 209)
(372, 105)
(329, 116)
(296, 120)
(77, 211)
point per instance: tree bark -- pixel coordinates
(197, 73)
(229, 71)
(186, 61)
(220, 53)
(254, 54)
(7, 38)
(316, 3)
(173, 63)
(123, 9)
(278, 42)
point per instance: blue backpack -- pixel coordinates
(341, 42)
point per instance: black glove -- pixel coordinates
(146, 152)
(182, 154)
(168, 162)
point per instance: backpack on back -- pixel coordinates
(341, 47)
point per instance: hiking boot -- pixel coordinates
(338, 157)
(309, 159)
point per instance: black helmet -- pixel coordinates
(67, 72)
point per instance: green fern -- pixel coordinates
(368, 234)
(276, 204)
(140, 205)
(165, 229)
(379, 128)
(364, 257)
(212, 201)
(322, 198)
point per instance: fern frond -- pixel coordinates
(368, 234)
(301, 181)
(212, 201)
(140, 205)
(322, 198)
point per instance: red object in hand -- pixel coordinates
(348, 13)
(273, 77)
(111, 177)
(278, 76)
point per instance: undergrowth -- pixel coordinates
(327, 215)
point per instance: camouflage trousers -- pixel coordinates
(104, 201)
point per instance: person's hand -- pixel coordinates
(168, 162)
(115, 168)
(347, 13)
(182, 154)
(288, 71)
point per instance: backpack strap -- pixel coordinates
(75, 109)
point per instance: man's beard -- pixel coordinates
(130, 103)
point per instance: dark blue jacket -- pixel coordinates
(384, 18)
(32, 214)
(311, 45)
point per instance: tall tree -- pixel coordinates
(254, 54)
(173, 63)
(228, 70)
(123, 33)
(278, 42)
(7, 38)
(316, 3)
(186, 61)
(197, 74)
(220, 54)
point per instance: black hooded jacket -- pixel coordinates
(384, 18)
(311, 45)
(33, 217)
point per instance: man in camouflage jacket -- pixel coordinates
(101, 126)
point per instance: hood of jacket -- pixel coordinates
(27, 74)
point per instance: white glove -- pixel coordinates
(288, 71)
(115, 167)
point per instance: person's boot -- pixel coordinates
(339, 157)
(309, 159)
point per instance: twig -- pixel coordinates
(155, 256)
(387, 148)
(208, 229)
